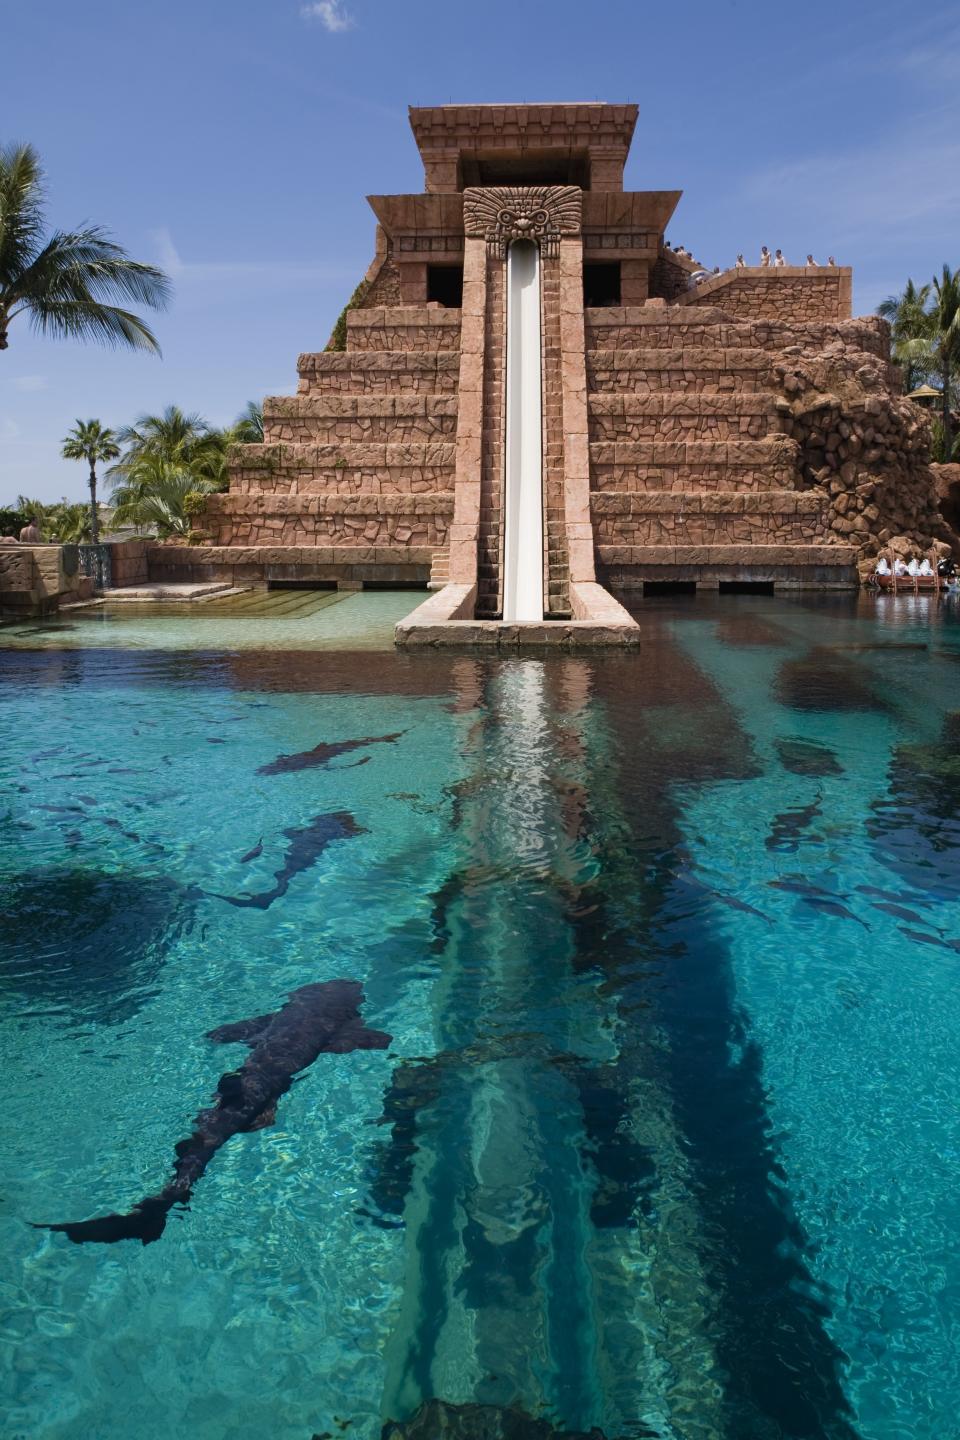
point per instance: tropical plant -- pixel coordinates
(67, 284)
(909, 323)
(12, 519)
(88, 440)
(152, 491)
(69, 523)
(247, 429)
(183, 441)
(925, 325)
(945, 345)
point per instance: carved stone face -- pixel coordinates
(541, 213)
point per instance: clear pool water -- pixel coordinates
(666, 1141)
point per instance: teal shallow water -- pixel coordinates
(666, 1139)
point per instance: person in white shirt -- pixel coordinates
(883, 566)
(741, 263)
(778, 258)
(913, 567)
(812, 264)
(830, 260)
(764, 255)
(925, 567)
(899, 567)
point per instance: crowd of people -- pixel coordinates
(916, 567)
(777, 260)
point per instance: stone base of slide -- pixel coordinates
(447, 619)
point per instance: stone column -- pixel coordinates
(576, 437)
(469, 448)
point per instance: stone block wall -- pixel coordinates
(128, 562)
(793, 294)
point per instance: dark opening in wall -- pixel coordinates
(445, 285)
(746, 587)
(301, 584)
(524, 167)
(394, 584)
(669, 587)
(601, 283)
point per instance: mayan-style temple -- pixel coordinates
(532, 397)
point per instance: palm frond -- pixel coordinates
(21, 209)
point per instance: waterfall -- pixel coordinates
(523, 509)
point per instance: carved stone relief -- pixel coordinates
(503, 213)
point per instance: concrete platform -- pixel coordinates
(174, 590)
(446, 619)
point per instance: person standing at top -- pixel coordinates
(30, 534)
(764, 255)
(778, 259)
(741, 263)
(830, 260)
(812, 263)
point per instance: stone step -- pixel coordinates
(689, 370)
(359, 419)
(786, 517)
(375, 469)
(649, 327)
(403, 327)
(694, 464)
(379, 372)
(272, 519)
(675, 415)
(812, 566)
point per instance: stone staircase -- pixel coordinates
(693, 475)
(360, 462)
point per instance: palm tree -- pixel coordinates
(69, 523)
(89, 441)
(909, 323)
(247, 429)
(66, 284)
(172, 436)
(945, 344)
(152, 490)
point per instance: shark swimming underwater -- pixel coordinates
(315, 1020)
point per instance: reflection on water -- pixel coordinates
(665, 1142)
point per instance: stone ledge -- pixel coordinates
(164, 557)
(773, 450)
(392, 360)
(423, 502)
(709, 502)
(446, 620)
(754, 556)
(390, 317)
(626, 406)
(351, 454)
(357, 407)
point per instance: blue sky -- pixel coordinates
(233, 142)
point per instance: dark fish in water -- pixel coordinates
(807, 757)
(252, 854)
(62, 809)
(730, 900)
(789, 825)
(323, 754)
(316, 1020)
(832, 907)
(800, 885)
(307, 844)
(925, 939)
(215, 740)
(900, 911)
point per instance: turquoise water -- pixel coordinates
(666, 1139)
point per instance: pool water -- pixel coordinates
(666, 1138)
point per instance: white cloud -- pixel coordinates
(330, 13)
(9, 429)
(29, 384)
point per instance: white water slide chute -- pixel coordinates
(523, 507)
